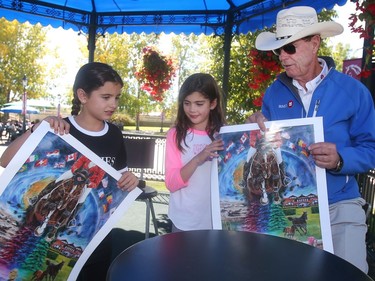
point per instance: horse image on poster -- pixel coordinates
(262, 175)
(267, 182)
(58, 200)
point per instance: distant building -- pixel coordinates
(301, 201)
(66, 249)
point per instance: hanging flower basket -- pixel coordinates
(156, 73)
(263, 70)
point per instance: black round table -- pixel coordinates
(228, 255)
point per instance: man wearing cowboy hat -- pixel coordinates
(309, 87)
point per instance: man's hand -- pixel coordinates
(258, 118)
(325, 155)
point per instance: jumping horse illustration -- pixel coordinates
(57, 204)
(262, 174)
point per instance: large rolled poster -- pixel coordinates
(268, 182)
(58, 200)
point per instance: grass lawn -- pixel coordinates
(158, 185)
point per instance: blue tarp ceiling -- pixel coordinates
(177, 16)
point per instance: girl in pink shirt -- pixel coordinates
(189, 152)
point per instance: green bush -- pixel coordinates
(290, 212)
(121, 120)
(52, 255)
(315, 210)
(72, 263)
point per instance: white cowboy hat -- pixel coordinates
(293, 24)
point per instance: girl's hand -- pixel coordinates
(210, 151)
(59, 125)
(128, 181)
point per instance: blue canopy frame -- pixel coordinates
(96, 17)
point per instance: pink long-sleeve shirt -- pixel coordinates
(190, 201)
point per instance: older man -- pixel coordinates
(310, 86)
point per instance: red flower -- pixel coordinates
(258, 101)
(365, 73)
(371, 9)
(263, 70)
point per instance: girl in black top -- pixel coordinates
(97, 89)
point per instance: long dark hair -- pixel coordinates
(90, 77)
(208, 87)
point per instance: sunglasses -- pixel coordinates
(290, 49)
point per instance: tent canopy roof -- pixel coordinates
(207, 17)
(128, 16)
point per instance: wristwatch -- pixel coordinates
(339, 165)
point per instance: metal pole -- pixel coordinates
(138, 106)
(368, 60)
(58, 105)
(228, 36)
(24, 103)
(162, 121)
(92, 36)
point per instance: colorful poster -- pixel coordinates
(268, 182)
(58, 200)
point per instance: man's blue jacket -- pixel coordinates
(348, 115)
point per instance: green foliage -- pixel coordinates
(290, 212)
(238, 99)
(121, 120)
(124, 52)
(192, 54)
(72, 263)
(277, 219)
(315, 210)
(52, 255)
(21, 50)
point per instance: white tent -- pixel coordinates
(33, 102)
(18, 109)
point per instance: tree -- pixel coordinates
(191, 54)
(123, 52)
(239, 97)
(21, 50)
(277, 220)
(340, 53)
